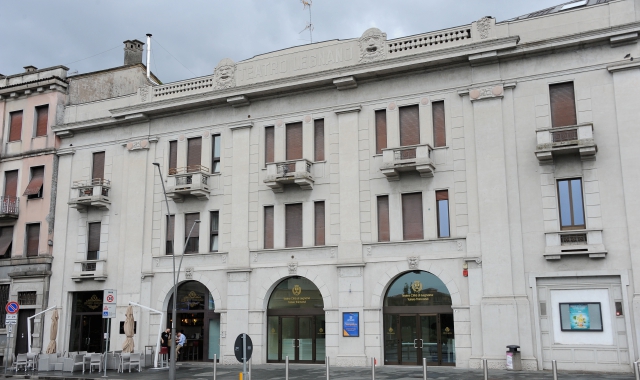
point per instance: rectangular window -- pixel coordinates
(93, 241)
(173, 156)
(439, 130)
(193, 244)
(318, 140)
(412, 216)
(442, 207)
(383, 218)
(409, 125)
(381, 130)
(97, 169)
(6, 241)
(563, 104)
(33, 239)
(171, 227)
(215, 164)
(15, 129)
(319, 223)
(214, 230)
(269, 145)
(34, 188)
(11, 184)
(4, 299)
(571, 205)
(268, 227)
(42, 119)
(293, 225)
(194, 154)
(294, 141)
(27, 298)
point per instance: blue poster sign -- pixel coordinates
(350, 324)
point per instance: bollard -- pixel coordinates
(286, 368)
(485, 369)
(373, 368)
(636, 371)
(215, 359)
(554, 368)
(327, 361)
(424, 368)
(249, 373)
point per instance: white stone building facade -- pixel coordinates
(494, 163)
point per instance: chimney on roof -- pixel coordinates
(30, 69)
(132, 52)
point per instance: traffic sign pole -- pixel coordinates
(244, 355)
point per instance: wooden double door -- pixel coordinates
(411, 337)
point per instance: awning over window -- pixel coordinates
(35, 184)
(6, 237)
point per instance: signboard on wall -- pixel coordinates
(350, 324)
(584, 316)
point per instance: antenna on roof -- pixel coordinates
(307, 3)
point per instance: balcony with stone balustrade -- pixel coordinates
(553, 142)
(296, 172)
(188, 181)
(90, 193)
(407, 159)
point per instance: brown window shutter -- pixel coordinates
(442, 195)
(269, 145)
(563, 104)
(37, 179)
(11, 183)
(383, 218)
(381, 131)
(268, 227)
(319, 223)
(42, 118)
(173, 156)
(33, 239)
(171, 227)
(189, 220)
(409, 126)
(6, 238)
(294, 141)
(318, 139)
(439, 129)
(93, 244)
(293, 225)
(194, 154)
(15, 131)
(98, 165)
(412, 216)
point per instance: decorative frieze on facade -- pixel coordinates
(414, 262)
(188, 273)
(293, 267)
(373, 45)
(484, 26)
(486, 92)
(137, 145)
(225, 74)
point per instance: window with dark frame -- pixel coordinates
(318, 140)
(4, 299)
(293, 225)
(293, 141)
(409, 125)
(269, 145)
(442, 209)
(412, 226)
(97, 168)
(33, 239)
(571, 206)
(319, 221)
(215, 161)
(194, 154)
(193, 244)
(439, 127)
(15, 126)
(93, 241)
(383, 218)
(42, 120)
(171, 227)
(215, 222)
(381, 130)
(34, 188)
(6, 241)
(268, 227)
(27, 298)
(11, 184)
(173, 157)
(563, 104)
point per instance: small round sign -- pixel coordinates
(110, 298)
(12, 307)
(238, 348)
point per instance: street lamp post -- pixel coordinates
(172, 353)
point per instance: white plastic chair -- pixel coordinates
(21, 361)
(32, 361)
(135, 360)
(96, 360)
(124, 361)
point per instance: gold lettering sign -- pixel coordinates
(93, 303)
(297, 290)
(416, 286)
(193, 299)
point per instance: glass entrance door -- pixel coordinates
(299, 338)
(88, 333)
(409, 338)
(410, 342)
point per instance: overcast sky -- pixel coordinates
(198, 33)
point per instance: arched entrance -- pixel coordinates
(295, 322)
(197, 320)
(418, 321)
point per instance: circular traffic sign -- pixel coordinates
(12, 307)
(238, 349)
(110, 298)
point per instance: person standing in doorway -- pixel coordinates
(181, 340)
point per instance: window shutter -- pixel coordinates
(171, 226)
(318, 139)
(383, 218)
(11, 183)
(409, 126)
(293, 225)
(173, 156)
(6, 238)
(15, 131)
(37, 179)
(294, 141)
(189, 220)
(319, 223)
(98, 165)
(381, 131)
(33, 239)
(563, 104)
(94, 237)
(268, 227)
(439, 130)
(442, 195)
(442, 207)
(269, 142)
(412, 216)
(42, 118)
(194, 154)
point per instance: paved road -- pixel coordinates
(201, 371)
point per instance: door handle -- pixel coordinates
(421, 343)
(415, 343)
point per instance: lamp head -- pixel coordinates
(197, 221)
(156, 164)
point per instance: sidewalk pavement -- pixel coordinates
(204, 371)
